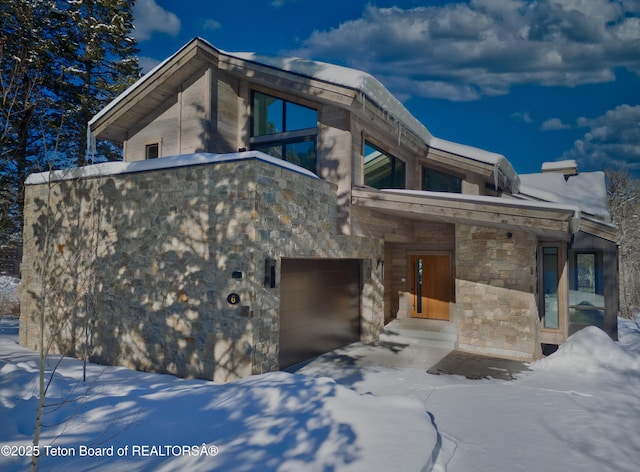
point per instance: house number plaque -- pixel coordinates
(233, 298)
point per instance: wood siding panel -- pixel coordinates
(544, 222)
(226, 113)
(195, 124)
(149, 95)
(334, 159)
(180, 124)
(161, 127)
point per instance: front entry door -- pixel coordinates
(430, 286)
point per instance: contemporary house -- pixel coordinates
(268, 209)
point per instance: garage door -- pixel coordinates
(319, 307)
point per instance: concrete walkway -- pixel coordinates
(475, 366)
(426, 345)
(425, 341)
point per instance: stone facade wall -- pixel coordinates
(136, 268)
(496, 311)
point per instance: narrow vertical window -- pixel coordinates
(550, 287)
(152, 151)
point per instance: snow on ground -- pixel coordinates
(276, 421)
(578, 409)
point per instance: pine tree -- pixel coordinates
(61, 62)
(102, 63)
(27, 61)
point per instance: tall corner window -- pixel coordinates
(586, 287)
(550, 280)
(436, 181)
(284, 129)
(152, 151)
(382, 170)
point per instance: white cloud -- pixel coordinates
(612, 138)
(522, 116)
(554, 124)
(280, 3)
(209, 24)
(463, 51)
(149, 18)
(147, 63)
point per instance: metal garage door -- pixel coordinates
(319, 307)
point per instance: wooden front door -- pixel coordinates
(430, 287)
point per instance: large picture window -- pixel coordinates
(382, 170)
(586, 287)
(284, 129)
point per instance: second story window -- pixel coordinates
(152, 151)
(284, 129)
(382, 170)
(437, 181)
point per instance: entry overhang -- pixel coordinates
(546, 220)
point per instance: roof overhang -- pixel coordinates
(317, 81)
(149, 92)
(599, 228)
(547, 221)
(162, 83)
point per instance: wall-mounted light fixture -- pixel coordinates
(269, 272)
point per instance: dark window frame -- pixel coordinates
(284, 138)
(596, 313)
(150, 149)
(554, 252)
(395, 167)
(458, 180)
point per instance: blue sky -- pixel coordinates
(535, 81)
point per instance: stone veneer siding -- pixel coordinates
(496, 311)
(137, 267)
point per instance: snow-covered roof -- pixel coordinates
(561, 220)
(377, 93)
(511, 202)
(586, 190)
(137, 84)
(114, 168)
(338, 75)
(499, 162)
(354, 79)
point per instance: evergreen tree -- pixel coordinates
(61, 61)
(27, 58)
(102, 63)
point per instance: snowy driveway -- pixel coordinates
(362, 408)
(576, 410)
